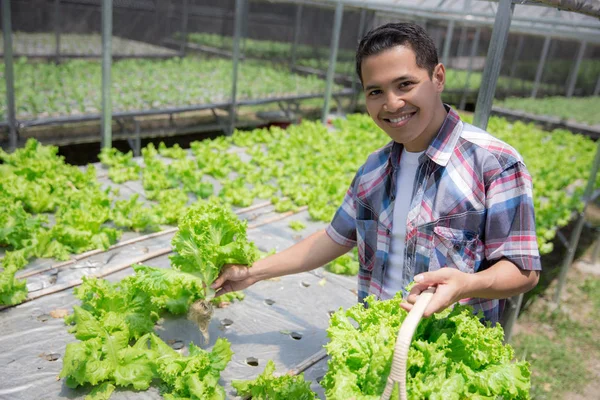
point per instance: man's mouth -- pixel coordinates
(399, 120)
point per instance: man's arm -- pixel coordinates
(503, 279)
(308, 254)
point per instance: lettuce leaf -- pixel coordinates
(269, 387)
(452, 356)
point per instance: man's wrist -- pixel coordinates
(258, 271)
(477, 284)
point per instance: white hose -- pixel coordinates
(405, 335)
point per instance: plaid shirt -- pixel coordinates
(471, 206)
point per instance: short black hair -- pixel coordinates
(391, 35)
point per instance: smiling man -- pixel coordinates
(444, 203)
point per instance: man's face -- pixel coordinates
(401, 97)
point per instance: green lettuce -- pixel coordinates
(269, 387)
(452, 355)
(211, 235)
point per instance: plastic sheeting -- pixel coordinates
(283, 320)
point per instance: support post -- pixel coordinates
(512, 311)
(474, 47)
(355, 89)
(237, 33)
(184, 28)
(492, 63)
(597, 88)
(462, 39)
(106, 123)
(57, 29)
(9, 76)
(297, 27)
(540, 67)
(515, 62)
(576, 233)
(448, 43)
(335, 39)
(575, 70)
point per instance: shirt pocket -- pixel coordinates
(366, 241)
(454, 248)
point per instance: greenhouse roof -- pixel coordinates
(534, 19)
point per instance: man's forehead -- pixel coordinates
(401, 54)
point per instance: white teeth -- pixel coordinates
(396, 120)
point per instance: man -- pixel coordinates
(444, 203)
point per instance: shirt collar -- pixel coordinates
(442, 146)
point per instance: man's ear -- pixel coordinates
(439, 76)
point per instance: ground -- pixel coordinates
(562, 342)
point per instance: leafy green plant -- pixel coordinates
(115, 321)
(452, 355)
(297, 225)
(267, 386)
(566, 109)
(344, 265)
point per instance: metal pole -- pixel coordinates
(57, 28)
(597, 88)
(361, 31)
(244, 34)
(461, 41)
(575, 71)
(514, 305)
(9, 76)
(335, 39)
(296, 34)
(184, 27)
(448, 43)
(576, 233)
(492, 63)
(474, 47)
(513, 67)
(237, 32)
(106, 123)
(540, 67)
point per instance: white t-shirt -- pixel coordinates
(405, 179)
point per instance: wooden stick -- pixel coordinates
(108, 271)
(58, 288)
(90, 253)
(309, 362)
(278, 217)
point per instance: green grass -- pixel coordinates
(561, 343)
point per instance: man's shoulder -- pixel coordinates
(377, 159)
(490, 146)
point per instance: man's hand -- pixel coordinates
(450, 286)
(502, 280)
(316, 250)
(232, 278)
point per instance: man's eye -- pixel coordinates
(406, 84)
(374, 92)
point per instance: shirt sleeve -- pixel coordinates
(342, 228)
(510, 225)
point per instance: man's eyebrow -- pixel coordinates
(399, 79)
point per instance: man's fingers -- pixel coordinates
(225, 275)
(226, 288)
(415, 292)
(218, 282)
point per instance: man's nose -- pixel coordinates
(393, 103)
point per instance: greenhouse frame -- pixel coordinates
(272, 85)
(546, 28)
